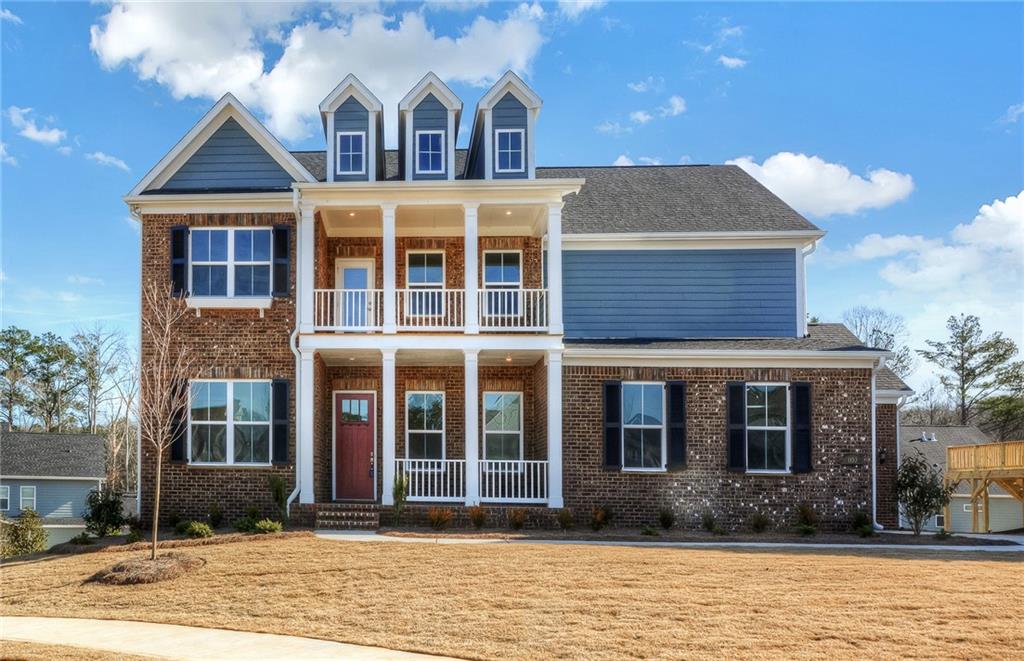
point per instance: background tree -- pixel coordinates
(121, 432)
(165, 374)
(1003, 417)
(882, 329)
(56, 378)
(17, 350)
(974, 367)
(920, 490)
(100, 351)
(931, 406)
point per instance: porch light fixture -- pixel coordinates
(351, 214)
(508, 212)
(508, 358)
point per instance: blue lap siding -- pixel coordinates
(351, 116)
(230, 159)
(430, 115)
(508, 113)
(54, 498)
(665, 294)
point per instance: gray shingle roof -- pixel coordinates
(886, 379)
(52, 455)
(945, 436)
(820, 337)
(660, 198)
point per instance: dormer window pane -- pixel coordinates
(510, 150)
(351, 153)
(429, 152)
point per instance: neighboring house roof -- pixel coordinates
(820, 337)
(52, 455)
(886, 379)
(935, 451)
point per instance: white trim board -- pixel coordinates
(350, 86)
(689, 240)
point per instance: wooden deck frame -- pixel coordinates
(1001, 464)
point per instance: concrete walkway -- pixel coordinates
(170, 641)
(358, 536)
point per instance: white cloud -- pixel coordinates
(64, 150)
(818, 188)
(613, 128)
(732, 62)
(77, 279)
(67, 296)
(676, 106)
(22, 120)
(640, 116)
(623, 160)
(8, 15)
(6, 158)
(648, 160)
(1013, 113)
(202, 50)
(648, 84)
(454, 5)
(108, 160)
(573, 9)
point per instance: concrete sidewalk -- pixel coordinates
(358, 536)
(170, 641)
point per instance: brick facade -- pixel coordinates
(838, 486)
(888, 457)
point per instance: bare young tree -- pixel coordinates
(882, 329)
(121, 430)
(167, 366)
(100, 351)
(931, 406)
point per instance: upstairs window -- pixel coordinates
(230, 262)
(503, 280)
(767, 428)
(424, 425)
(509, 152)
(28, 498)
(503, 426)
(429, 152)
(351, 153)
(425, 279)
(229, 422)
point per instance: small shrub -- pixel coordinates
(649, 531)
(921, 490)
(439, 517)
(564, 518)
(215, 516)
(806, 530)
(719, 530)
(267, 527)
(279, 494)
(866, 530)
(254, 513)
(478, 516)
(600, 517)
(666, 517)
(707, 521)
(758, 522)
(103, 511)
(81, 539)
(23, 535)
(133, 537)
(806, 516)
(516, 518)
(133, 522)
(942, 534)
(400, 492)
(181, 527)
(198, 529)
(859, 520)
(173, 518)
(245, 524)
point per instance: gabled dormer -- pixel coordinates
(354, 125)
(428, 126)
(501, 144)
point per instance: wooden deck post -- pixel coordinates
(984, 511)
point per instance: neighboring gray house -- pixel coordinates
(1007, 513)
(51, 474)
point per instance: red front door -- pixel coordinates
(353, 446)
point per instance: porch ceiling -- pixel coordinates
(415, 357)
(439, 220)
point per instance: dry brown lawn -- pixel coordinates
(11, 650)
(536, 601)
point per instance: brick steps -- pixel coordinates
(348, 516)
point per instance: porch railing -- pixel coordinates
(435, 480)
(431, 309)
(348, 309)
(513, 309)
(1008, 455)
(513, 481)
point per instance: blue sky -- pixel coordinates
(896, 128)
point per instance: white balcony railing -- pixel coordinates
(431, 309)
(357, 310)
(513, 309)
(513, 481)
(435, 480)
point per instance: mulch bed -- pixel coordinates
(144, 570)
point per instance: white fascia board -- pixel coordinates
(892, 396)
(689, 240)
(350, 86)
(430, 83)
(281, 202)
(227, 107)
(510, 82)
(720, 358)
(350, 194)
(430, 342)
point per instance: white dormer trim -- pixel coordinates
(510, 82)
(350, 86)
(228, 107)
(430, 83)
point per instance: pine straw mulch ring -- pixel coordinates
(143, 570)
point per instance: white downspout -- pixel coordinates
(293, 345)
(874, 452)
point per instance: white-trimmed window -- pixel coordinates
(503, 280)
(424, 271)
(768, 438)
(643, 426)
(351, 153)
(503, 426)
(430, 152)
(508, 151)
(940, 520)
(5, 498)
(229, 422)
(231, 262)
(967, 508)
(28, 498)
(424, 425)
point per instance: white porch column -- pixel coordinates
(388, 226)
(555, 269)
(388, 427)
(304, 414)
(472, 269)
(305, 282)
(472, 437)
(554, 361)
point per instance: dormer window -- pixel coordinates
(430, 150)
(509, 154)
(351, 153)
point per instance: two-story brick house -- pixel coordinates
(496, 332)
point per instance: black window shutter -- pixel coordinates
(282, 261)
(279, 417)
(736, 424)
(179, 260)
(613, 424)
(801, 402)
(179, 426)
(676, 425)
